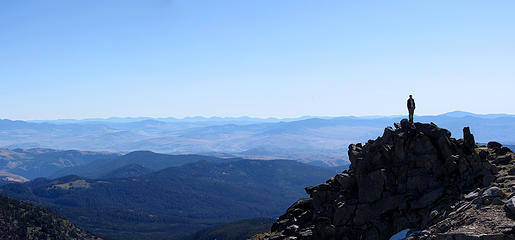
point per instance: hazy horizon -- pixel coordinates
(255, 117)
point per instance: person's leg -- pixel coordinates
(411, 111)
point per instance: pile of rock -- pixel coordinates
(415, 176)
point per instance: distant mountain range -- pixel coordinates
(176, 201)
(133, 164)
(21, 165)
(196, 120)
(25, 164)
(319, 140)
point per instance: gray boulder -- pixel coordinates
(493, 192)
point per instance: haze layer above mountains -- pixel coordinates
(317, 140)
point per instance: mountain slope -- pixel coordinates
(39, 162)
(238, 230)
(175, 201)
(131, 170)
(146, 159)
(7, 177)
(20, 220)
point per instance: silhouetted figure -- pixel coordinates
(411, 108)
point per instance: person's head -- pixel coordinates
(409, 96)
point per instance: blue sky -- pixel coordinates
(159, 58)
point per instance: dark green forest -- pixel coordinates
(177, 201)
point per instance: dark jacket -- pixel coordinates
(411, 103)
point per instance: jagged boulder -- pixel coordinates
(415, 176)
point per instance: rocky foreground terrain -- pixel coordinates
(415, 177)
(24, 221)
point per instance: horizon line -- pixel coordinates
(248, 117)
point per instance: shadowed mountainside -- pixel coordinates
(131, 170)
(176, 201)
(234, 231)
(20, 220)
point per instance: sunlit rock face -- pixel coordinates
(415, 176)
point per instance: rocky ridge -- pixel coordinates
(415, 176)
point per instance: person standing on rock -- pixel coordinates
(411, 108)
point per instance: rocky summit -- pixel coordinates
(415, 177)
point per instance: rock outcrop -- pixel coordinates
(416, 177)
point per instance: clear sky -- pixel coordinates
(266, 58)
